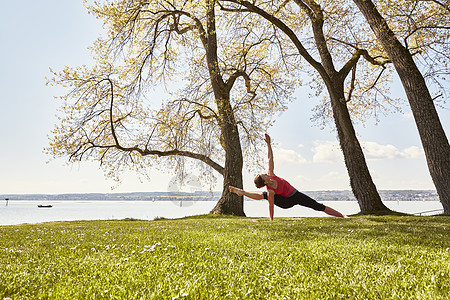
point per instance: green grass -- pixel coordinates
(207, 257)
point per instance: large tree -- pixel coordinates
(230, 87)
(328, 48)
(432, 134)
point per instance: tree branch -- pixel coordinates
(198, 24)
(177, 152)
(445, 6)
(315, 14)
(236, 75)
(352, 84)
(176, 23)
(146, 151)
(288, 31)
(343, 72)
(364, 53)
(213, 113)
(376, 80)
(405, 39)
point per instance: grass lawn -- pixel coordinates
(209, 257)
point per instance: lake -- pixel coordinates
(22, 211)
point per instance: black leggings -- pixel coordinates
(296, 198)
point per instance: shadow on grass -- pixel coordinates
(382, 213)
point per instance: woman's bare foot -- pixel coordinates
(235, 190)
(329, 211)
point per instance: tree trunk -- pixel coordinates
(432, 134)
(361, 182)
(230, 203)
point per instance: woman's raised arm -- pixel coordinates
(269, 155)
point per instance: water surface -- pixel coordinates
(21, 211)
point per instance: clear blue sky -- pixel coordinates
(37, 35)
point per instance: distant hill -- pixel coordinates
(386, 195)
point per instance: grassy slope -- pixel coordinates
(395, 257)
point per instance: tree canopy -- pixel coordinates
(109, 114)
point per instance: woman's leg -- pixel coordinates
(239, 192)
(307, 201)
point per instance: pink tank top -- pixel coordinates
(283, 187)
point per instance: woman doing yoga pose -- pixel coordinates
(280, 192)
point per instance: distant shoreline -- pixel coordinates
(332, 195)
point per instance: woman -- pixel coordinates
(280, 192)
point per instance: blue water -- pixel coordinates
(19, 212)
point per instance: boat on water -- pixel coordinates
(45, 206)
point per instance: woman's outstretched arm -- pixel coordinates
(239, 192)
(269, 155)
